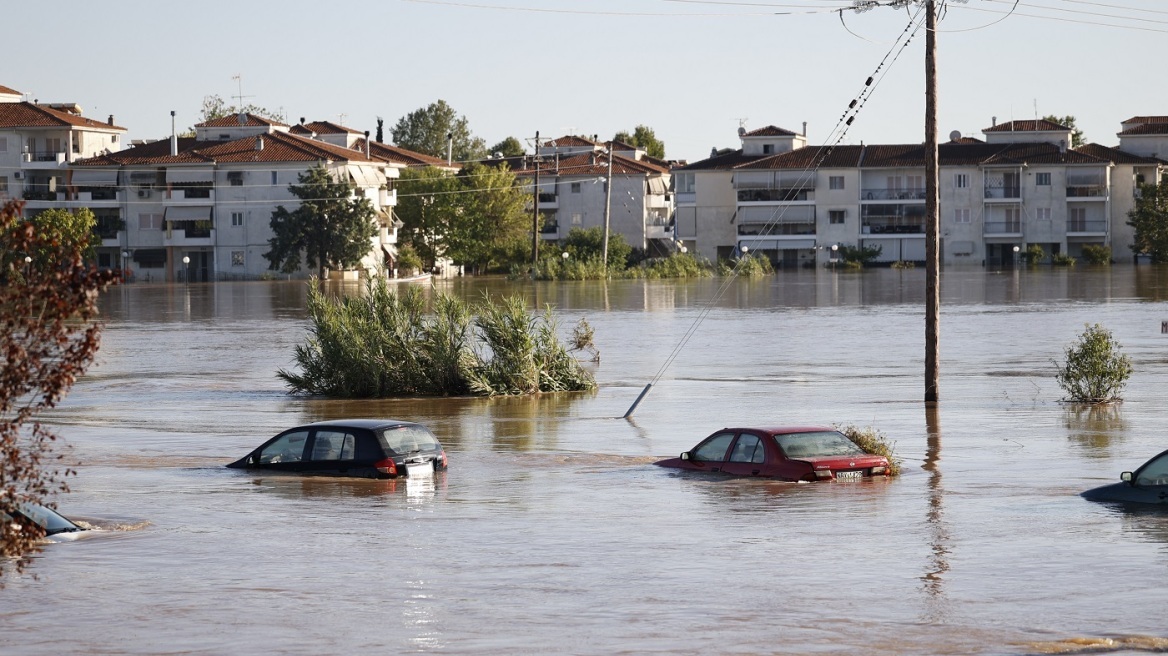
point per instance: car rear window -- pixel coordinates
(407, 439)
(817, 444)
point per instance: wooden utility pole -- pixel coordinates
(607, 210)
(932, 219)
(535, 210)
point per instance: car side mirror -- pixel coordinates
(685, 455)
(1126, 477)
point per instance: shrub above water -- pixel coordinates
(873, 441)
(1094, 370)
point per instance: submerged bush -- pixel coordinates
(385, 344)
(1096, 254)
(677, 265)
(1094, 370)
(747, 265)
(873, 441)
(1062, 259)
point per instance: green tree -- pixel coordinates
(588, 243)
(331, 229)
(426, 200)
(76, 227)
(1094, 370)
(49, 334)
(214, 106)
(643, 138)
(490, 216)
(1150, 220)
(509, 147)
(426, 130)
(1069, 121)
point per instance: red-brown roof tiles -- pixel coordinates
(395, 155)
(770, 131)
(1144, 129)
(277, 147)
(29, 115)
(322, 127)
(9, 91)
(1115, 155)
(1041, 125)
(232, 120)
(721, 162)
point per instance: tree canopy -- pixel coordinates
(425, 130)
(509, 147)
(50, 335)
(331, 229)
(1069, 121)
(643, 138)
(214, 106)
(1150, 220)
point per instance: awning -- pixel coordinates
(143, 177)
(185, 175)
(95, 177)
(366, 177)
(754, 179)
(657, 185)
(192, 213)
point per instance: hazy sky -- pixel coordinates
(690, 69)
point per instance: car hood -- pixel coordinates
(1126, 493)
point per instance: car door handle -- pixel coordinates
(755, 472)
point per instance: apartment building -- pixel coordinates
(1019, 186)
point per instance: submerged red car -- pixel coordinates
(792, 453)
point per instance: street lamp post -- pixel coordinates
(186, 268)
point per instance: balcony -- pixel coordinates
(1086, 227)
(658, 227)
(1011, 193)
(1098, 192)
(189, 234)
(892, 194)
(197, 196)
(775, 229)
(548, 201)
(786, 195)
(893, 227)
(550, 228)
(45, 159)
(1003, 228)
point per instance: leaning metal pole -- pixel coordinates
(932, 239)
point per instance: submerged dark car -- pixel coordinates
(1148, 484)
(365, 448)
(793, 453)
(50, 521)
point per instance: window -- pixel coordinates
(235, 178)
(3, 144)
(150, 222)
(236, 219)
(577, 218)
(333, 445)
(683, 183)
(835, 182)
(1042, 179)
(837, 217)
(407, 439)
(1042, 213)
(748, 448)
(575, 187)
(286, 448)
(237, 258)
(768, 149)
(3, 185)
(961, 215)
(1154, 473)
(961, 180)
(224, 137)
(713, 449)
(274, 181)
(1077, 219)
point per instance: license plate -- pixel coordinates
(849, 475)
(419, 468)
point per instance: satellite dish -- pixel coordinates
(954, 136)
(741, 131)
(242, 118)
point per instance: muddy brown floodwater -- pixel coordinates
(552, 532)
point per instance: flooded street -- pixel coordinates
(552, 532)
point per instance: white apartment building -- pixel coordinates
(1022, 185)
(574, 174)
(199, 209)
(38, 142)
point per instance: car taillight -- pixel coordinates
(386, 466)
(442, 457)
(876, 471)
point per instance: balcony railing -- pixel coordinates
(1086, 191)
(1083, 225)
(550, 228)
(892, 194)
(1003, 192)
(764, 230)
(790, 195)
(1003, 227)
(893, 227)
(45, 156)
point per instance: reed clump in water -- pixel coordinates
(873, 441)
(383, 343)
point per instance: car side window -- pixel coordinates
(748, 448)
(288, 448)
(333, 445)
(1154, 473)
(714, 448)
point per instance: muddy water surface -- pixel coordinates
(553, 532)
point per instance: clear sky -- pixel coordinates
(692, 70)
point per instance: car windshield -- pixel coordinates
(1155, 472)
(407, 439)
(46, 518)
(817, 444)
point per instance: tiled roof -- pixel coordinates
(1146, 119)
(1144, 129)
(966, 140)
(29, 115)
(232, 120)
(722, 162)
(1041, 125)
(770, 131)
(322, 127)
(570, 141)
(9, 91)
(395, 155)
(810, 158)
(582, 164)
(277, 147)
(1115, 155)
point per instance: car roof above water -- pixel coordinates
(782, 430)
(368, 424)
